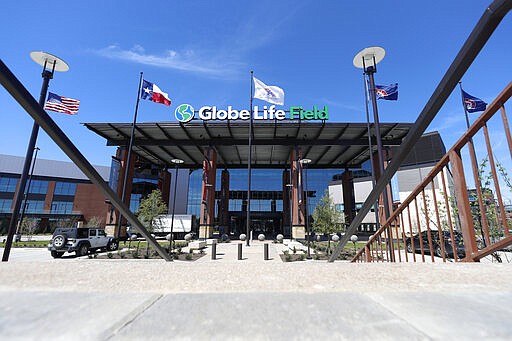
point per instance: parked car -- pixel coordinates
(436, 243)
(80, 241)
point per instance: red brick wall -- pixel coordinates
(90, 202)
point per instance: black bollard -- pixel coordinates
(214, 251)
(240, 251)
(265, 251)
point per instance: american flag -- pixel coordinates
(61, 104)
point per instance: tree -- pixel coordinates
(96, 222)
(29, 226)
(326, 217)
(150, 207)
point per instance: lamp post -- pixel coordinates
(17, 237)
(306, 162)
(177, 162)
(50, 64)
(367, 59)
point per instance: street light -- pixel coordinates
(50, 64)
(306, 162)
(177, 162)
(367, 59)
(17, 237)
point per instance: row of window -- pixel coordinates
(8, 184)
(37, 206)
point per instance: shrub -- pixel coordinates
(188, 257)
(135, 254)
(287, 258)
(110, 255)
(301, 257)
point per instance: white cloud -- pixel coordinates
(188, 61)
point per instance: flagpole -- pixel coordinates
(249, 160)
(473, 154)
(463, 105)
(128, 159)
(372, 165)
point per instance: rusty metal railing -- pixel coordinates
(442, 219)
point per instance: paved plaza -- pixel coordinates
(252, 299)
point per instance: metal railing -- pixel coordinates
(441, 218)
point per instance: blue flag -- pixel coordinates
(473, 104)
(388, 92)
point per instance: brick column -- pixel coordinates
(286, 204)
(207, 215)
(298, 221)
(224, 202)
(112, 217)
(349, 204)
(164, 185)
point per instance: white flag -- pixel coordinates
(268, 93)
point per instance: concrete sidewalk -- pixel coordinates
(253, 299)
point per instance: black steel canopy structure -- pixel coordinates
(328, 145)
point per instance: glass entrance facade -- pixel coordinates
(266, 197)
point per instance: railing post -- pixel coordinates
(462, 199)
(367, 254)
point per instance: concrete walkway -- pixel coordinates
(252, 299)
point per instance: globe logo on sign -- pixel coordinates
(184, 113)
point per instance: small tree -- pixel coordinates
(96, 222)
(29, 226)
(326, 217)
(150, 208)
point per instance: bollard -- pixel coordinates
(214, 251)
(265, 251)
(240, 251)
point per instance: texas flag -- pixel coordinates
(153, 93)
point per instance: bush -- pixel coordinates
(287, 258)
(301, 257)
(110, 255)
(188, 257)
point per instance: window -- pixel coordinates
(5, 205)
(62, 207)
(38, 186)
(101, 233)
(65, 188)
(35, 206)
(115, 167)
(92, 233)
(135, 202)
(8, 184)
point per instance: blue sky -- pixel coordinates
(201, 52)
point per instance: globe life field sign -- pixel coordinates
(185, 113)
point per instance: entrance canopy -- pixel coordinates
(328, 145)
